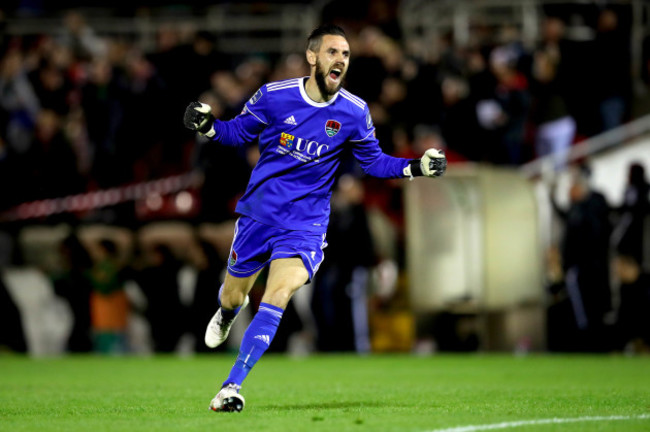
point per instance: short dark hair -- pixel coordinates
(316, 37)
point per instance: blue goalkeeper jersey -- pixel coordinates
(301, 144)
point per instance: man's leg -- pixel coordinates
(233, 295)
(286, 276)
(234, 290)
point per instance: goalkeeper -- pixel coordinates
(303, 126)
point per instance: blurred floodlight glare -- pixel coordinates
(154, 202)
(184, 201)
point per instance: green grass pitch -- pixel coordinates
(326, 393)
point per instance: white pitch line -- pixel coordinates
(514, 424)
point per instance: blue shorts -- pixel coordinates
(255, 245)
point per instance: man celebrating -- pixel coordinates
(303, 125)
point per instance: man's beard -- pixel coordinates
(325, 92)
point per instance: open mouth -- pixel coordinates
(335, 74)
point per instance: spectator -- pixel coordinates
(51, 86)
(138, 147)
(50, 167)
(393, 99)
(423, 92)
(291, 66)
(512, 99)
(165, 58)
(102, 106)
(458, 123)
(252, 72)
(631, 231)
(585, 259)
(230, 91)
(158, 280)
(367, 70)
(80, 37)
(19, 104)
(340, 284)
(109, 305)
(200, 51)
(614, 81)
(555, 128)
(425, 136)
(72, 283)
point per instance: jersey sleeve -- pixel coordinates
(365, 147)
(245, 127)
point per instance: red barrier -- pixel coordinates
(101, 198)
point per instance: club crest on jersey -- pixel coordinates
(332, 127)
(233, 258)
(257, 96)
(287, 140)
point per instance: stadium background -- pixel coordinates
(108, 201)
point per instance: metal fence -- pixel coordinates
(239, 28)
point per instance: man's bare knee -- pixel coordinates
(286, 276)
(232, 299)
(279, 297)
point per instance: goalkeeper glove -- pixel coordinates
(198, 117)
(433, 163)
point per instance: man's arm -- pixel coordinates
(241, 130)
(433, 163)
(376, 163)
(198, 117)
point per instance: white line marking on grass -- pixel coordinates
(514, 424)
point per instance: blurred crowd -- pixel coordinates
(82, 112)
(597, 274)
(166, 276)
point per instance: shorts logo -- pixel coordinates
(287, 140)
(332, 127)
(233, 258)
(257, 96)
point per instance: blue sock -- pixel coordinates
(227, 313)
(257, 338)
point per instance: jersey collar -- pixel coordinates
(307, 99)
